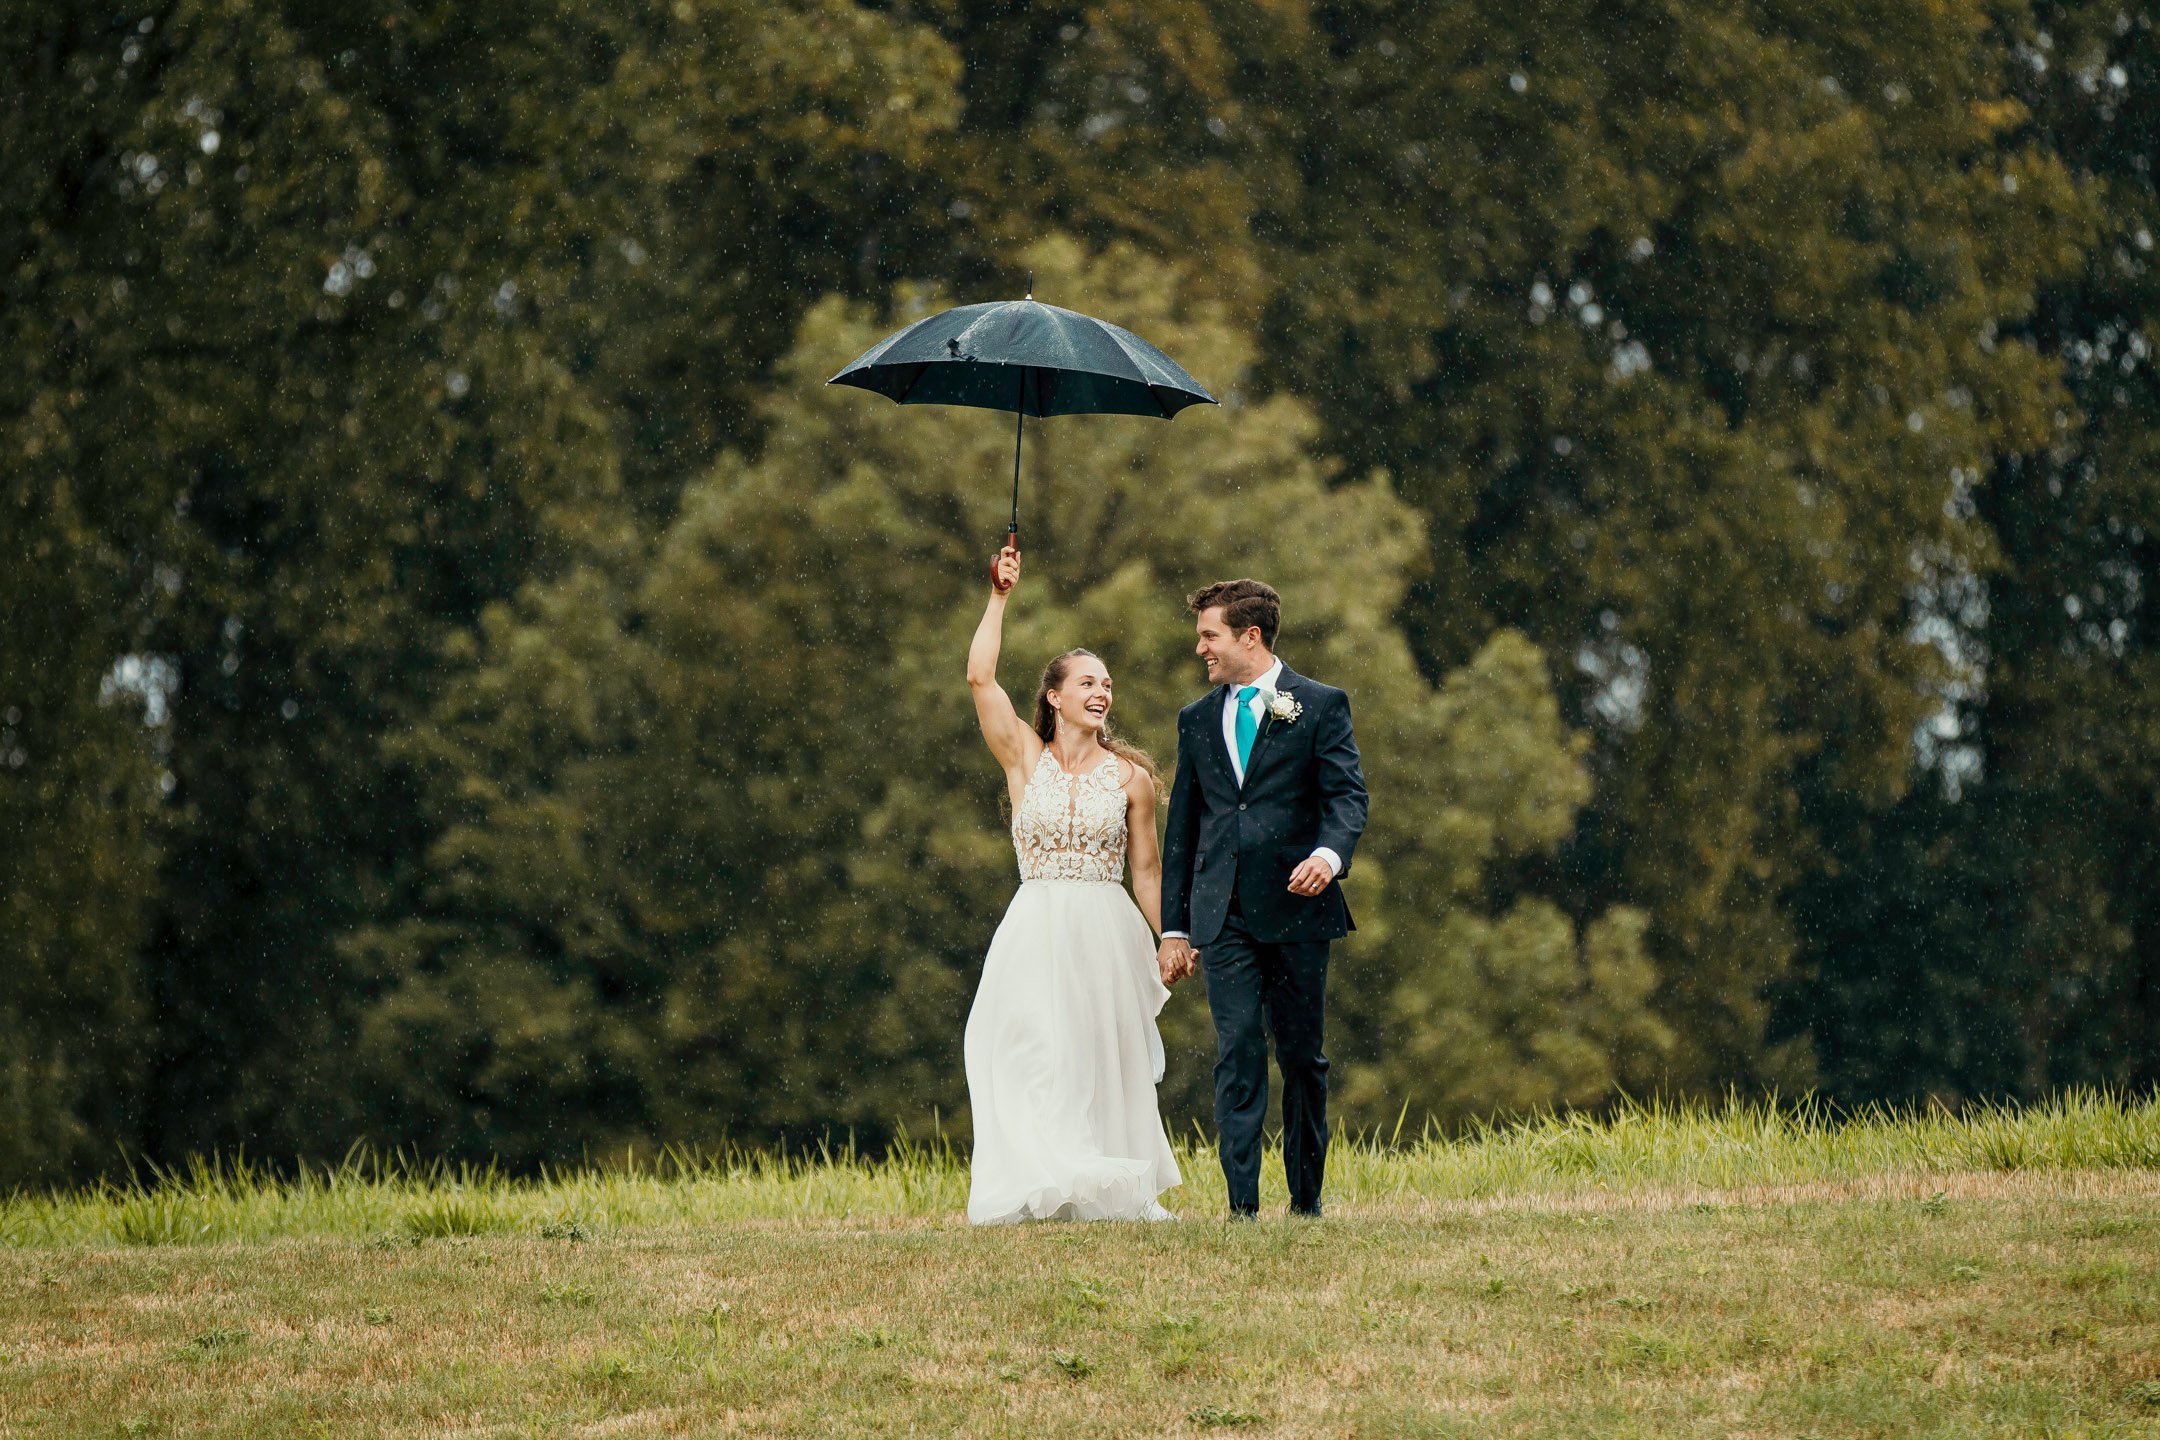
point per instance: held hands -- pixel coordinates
(1175, 960)
(1005, 570)
(1311, 876)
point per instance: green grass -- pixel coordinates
(1747, 1271)
(1649, 1149)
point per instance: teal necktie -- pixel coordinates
(1248, 726)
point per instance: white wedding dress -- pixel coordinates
(1062, 1051)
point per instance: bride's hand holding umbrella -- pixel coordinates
(1008, 736)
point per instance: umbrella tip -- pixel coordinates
(1031, 285)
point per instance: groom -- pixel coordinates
(1265, 813)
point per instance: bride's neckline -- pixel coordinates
(1051, 755)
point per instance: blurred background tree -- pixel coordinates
(1716, 440)
(1997, 932)
(334, 322)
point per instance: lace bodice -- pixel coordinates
(1072, 827)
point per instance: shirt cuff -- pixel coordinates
(1334, 861)
(1175, 935)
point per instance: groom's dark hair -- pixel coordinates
(1245, 603)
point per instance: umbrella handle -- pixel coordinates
(1012, 540)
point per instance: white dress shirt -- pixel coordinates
(1263, 686)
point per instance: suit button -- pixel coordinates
(1241, 807)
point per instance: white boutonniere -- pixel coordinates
(1284, 708)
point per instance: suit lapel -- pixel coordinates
(1212, 719)
(1285, 684)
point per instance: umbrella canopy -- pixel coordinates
(1024, 356)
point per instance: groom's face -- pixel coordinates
(1231, 658)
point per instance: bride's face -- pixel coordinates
(1082, 699)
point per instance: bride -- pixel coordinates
(1062, 1052)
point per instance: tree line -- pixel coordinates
(468, 686)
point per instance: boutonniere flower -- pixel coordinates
(1284, 708)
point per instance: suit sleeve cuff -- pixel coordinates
(1175, 935)
(1334, 861)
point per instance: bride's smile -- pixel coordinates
(1083, 700)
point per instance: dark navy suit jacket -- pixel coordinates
(1303, 788)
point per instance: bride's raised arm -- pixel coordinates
(1010, 740)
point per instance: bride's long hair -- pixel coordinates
(1046, 719)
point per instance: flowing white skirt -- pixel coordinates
(1062, 1062)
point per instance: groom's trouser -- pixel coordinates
(1252, 984)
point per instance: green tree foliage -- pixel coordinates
(407, 401)
(2071, 728)
(1503, 1012)
(719, 845)
(2020, 943)
(1104, 121)
(336, 323)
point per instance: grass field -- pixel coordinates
(1744, 1272)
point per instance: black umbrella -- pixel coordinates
(1029, 357)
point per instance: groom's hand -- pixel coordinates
(1311, 876)
(1175, 960)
